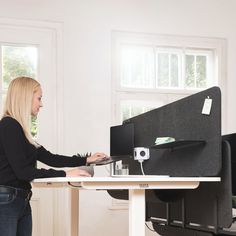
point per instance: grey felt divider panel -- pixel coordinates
(211, 203)
(208, 205)
(182, 120)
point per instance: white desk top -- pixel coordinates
(142, 182)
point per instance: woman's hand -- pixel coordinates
(98, 156)
(77, 172)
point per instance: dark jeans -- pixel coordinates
(15, 215)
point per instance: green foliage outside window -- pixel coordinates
(201, 71)
(19, 61)
(196, 71)
(34, 127)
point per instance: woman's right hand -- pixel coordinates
(77, 172)
(98, 156)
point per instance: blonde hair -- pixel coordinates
(18, 103)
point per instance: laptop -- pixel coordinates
(121, 144)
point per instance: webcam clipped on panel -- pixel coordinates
(121, 143)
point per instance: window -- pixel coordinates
(156, 67)
(17, 60)
(149, 71)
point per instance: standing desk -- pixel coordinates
(135, 185)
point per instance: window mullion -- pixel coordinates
(1, 77)
(169, 68)
(183, 68)
(155, 68)
(195, 71)
(180, 71)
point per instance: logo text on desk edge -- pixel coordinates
(143, 185)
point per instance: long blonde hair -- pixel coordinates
(18, 102)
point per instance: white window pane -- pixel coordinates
(131, 108)
(196, 71)
(128, 110)
(190, 71)
(201, 73)
(174, 71)
(163, 69)
(167, 70)
(125, 112)
(18, 61)
(136, 110)
(137, 67)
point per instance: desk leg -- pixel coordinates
(137, 212)
(74, 212)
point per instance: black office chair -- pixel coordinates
(231, 138)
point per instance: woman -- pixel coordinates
(19, 153)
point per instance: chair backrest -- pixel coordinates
(231, 138)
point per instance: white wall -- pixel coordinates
(87, 69)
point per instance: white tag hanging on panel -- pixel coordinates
(206, 110)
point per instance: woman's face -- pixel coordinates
(37, 102)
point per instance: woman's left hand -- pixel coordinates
(98, 156)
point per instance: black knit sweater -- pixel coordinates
(18, 157)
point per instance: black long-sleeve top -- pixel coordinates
(18, 157)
